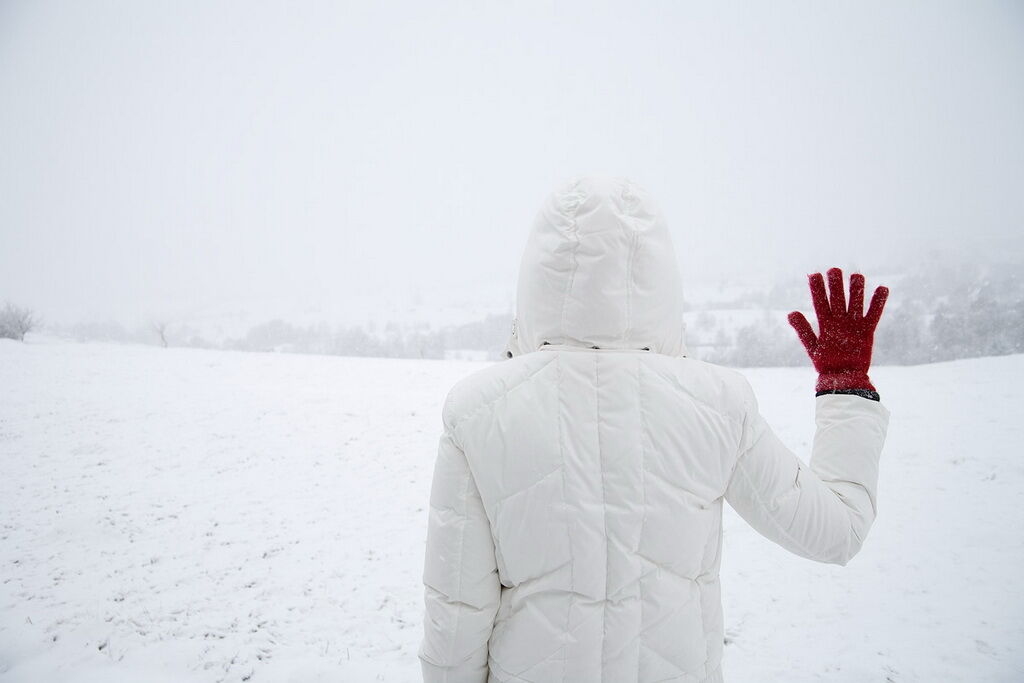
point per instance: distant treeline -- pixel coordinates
(941, 313)
(479, 339)
(487, 337)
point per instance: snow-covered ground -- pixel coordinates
(188, 515)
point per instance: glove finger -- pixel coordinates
(877, 304)
(857, 295)
(803, 330)
(819, 298)
(837, 298)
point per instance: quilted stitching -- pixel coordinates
(670, 586)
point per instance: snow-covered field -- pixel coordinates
(187, 515)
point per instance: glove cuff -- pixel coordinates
(863, 393)
(843, 381)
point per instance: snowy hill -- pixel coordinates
(192, 515)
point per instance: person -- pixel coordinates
(575, 522)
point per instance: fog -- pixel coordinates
(173, 158)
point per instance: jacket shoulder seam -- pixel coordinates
(695, 398)
(452, 421)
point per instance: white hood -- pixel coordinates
(599, 270)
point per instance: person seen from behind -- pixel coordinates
(575, 520)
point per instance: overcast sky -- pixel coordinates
(162, 155)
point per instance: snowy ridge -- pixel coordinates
(197, 515)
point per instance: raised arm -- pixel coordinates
(460, 576)
(823, 510)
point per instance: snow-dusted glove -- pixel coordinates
(841, 351)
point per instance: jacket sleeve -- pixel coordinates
(460, 574)
(822, 511)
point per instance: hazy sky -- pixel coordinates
(165, 155)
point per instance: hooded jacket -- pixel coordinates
(575, 520)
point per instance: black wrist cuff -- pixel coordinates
(866, 393)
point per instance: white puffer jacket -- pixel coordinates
(575, 521)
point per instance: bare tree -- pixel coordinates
(16, 322)
(160, 327)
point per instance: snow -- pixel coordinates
(195, 515)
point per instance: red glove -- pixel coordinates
(841, 351)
